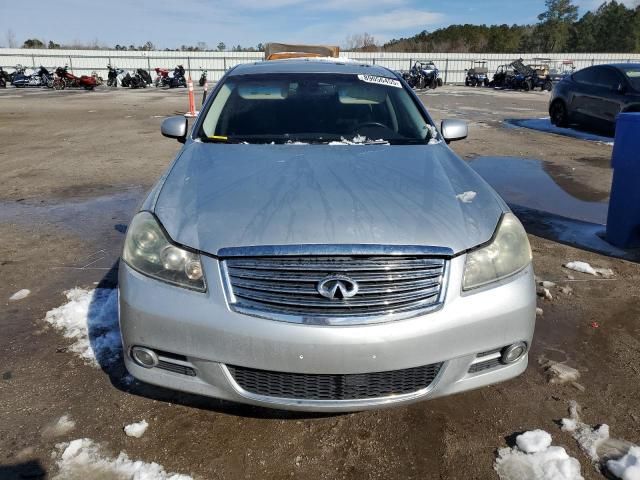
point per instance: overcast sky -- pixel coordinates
(248, 22)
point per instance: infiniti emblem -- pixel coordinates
(335, 287)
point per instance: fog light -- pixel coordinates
(513, 352)
(144, 357)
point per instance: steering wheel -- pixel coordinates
(369, 124)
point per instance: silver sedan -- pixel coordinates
(316, 245)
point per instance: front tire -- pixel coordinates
(559, 114)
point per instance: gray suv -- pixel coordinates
(316, 245)
(593, 97)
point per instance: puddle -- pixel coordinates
(89, 218)
(547, 207)
(526, 183)
(597, 162)
(544, 125)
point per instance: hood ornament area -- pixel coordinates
(337, 287)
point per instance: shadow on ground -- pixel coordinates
(552, 207)
(19, 471)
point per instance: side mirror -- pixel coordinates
(453, 130)
(621, 89)
(175, 127)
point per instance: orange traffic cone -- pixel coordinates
(192, 101)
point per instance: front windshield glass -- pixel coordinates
(314, 108)
(633, 74)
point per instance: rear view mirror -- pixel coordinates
(453, 130)
(260, 91)
(175, 127)
(361, 94)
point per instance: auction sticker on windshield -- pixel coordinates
(380, 80)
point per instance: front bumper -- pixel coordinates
(202, 334)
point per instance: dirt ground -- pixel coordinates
(74, 165)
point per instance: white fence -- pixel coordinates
(452, 65)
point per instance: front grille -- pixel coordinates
(285, 285)
(303, 386)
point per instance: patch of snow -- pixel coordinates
(90, 319)
(545, 293)
(137, 429)
(561, 373)
(83, 459)
(605, 272)
(584, 267)
(434, 136)
(466, 197)
(539, 312)
(588, 437)
(543, 463)
(358, 140)
(566, 290)
(544, 125)
(60, 427)
(19, 295)
(547, 284)
(533, 441)
(627, 467)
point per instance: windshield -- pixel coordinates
(633, 74)
(315, 108)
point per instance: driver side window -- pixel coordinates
(609, 79)
(587, 76)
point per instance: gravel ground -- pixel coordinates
(73, 167)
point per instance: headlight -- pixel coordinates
(147, 250)
(508, 253)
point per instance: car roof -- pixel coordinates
(619, 66)
(312, 65)
(624, 66)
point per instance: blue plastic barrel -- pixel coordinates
(623, 220)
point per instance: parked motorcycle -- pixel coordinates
(145, 76)
(39, 78)
(203, 78)
(114, 76)
(4, 78)
(88, 82)
(178, 79)
(162, 78)
(17, 70)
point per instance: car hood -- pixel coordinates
(220, 195)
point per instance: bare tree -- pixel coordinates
(361, 41)
(11, 39)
